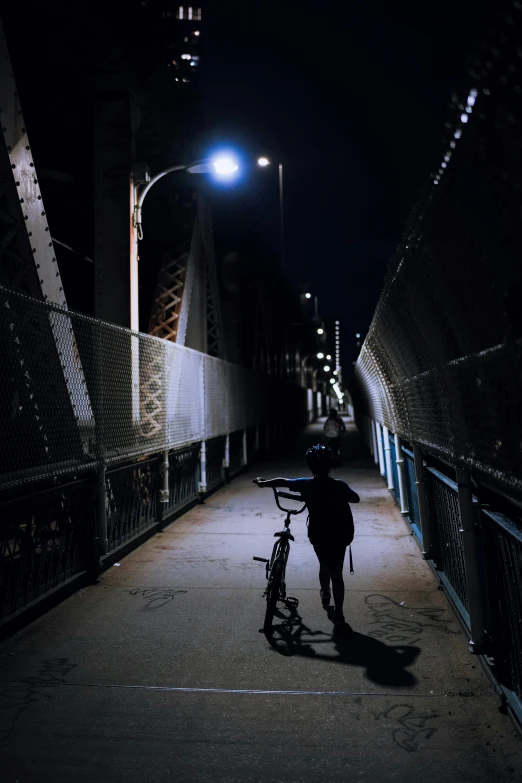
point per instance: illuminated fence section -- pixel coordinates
(127, 396)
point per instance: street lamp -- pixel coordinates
(221, 166)
(308, 296)
(320, 331)
(264, 162)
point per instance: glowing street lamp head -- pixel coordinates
(320, 331)
(263, 162)
(328, 356)
(308, 296)
(320, 355)
(332, 380)
(326, 368)
(224, 166)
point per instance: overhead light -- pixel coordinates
(326, 368)
(308, 296)
(357, 335)
(186, 57)
(320, 331)
(328, 356)
(196, 32)
(263, 162)
(225, 166)
(320, 355)
(332, 380)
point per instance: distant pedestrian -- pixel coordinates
(334, 430)
(330, 521)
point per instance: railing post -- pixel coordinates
(373, 426)
(245, 448)
(399, 459)
(226, 458)
(382, 467)
(164, 492)
(471, 544)
(101, 511)
(427, 532)
(203, 468)
(387, 457)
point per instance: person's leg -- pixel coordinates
(324, 572)
(338, 589)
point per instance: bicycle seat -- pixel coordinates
(286, 533)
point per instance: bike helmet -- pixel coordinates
(320, 459)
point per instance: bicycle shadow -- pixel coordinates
(384, 665)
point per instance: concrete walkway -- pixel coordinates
(159, 672)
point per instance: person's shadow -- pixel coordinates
(384, 665)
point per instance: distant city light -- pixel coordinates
(263, 162)
(308, 296)
(328, 356)
(335, 372)
(457, 134)
(320, 331)
(186, 57)
(464, 118)
(225, 166)
(326, 368)
(320, 355)
(196, 32)
(357, 335)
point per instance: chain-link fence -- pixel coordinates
(442, 363)
(76, 392)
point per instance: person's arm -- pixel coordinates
(272, 483)
(352, 497)
(343, 427)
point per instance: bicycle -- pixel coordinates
(276, 567)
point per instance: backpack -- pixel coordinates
(331, 517)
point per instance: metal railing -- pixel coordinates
(46, 538)
(184, 477)
(496, 575)
(132, 500)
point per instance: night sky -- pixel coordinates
(352, 98)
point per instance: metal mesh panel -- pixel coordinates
(216, 397)
(44, 539)
(443, 506)
(441, 365)
(132, 500)
(76, 392)
(235, 459)
(183, 479)
(503, 542)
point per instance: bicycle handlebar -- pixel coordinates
(277, 495)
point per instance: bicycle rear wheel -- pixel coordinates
(273, 593)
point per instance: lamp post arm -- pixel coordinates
(141, 196)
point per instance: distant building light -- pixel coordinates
(458, 133)
(320, 331)
(464, 118)
(320, 355)
(180, 12)
(308, 295)
(328, 356)
(326, 368)
(357, 335)
(186, 81)
(335, 372)
(196, 32)
(186, 56)
(190, 13)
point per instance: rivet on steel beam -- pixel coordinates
(39, 198)
(13, 165)
(30, 234)
(31, 164)
(50, 244)
(17, 184)
(35, 181)
(43, 213)
(47, 228)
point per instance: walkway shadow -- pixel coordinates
(384, 665)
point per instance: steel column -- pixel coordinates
(427, 531)
(387, 457)
(399, 459)
(471, 543)
(382, 467)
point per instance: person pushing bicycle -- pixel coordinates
(330, 521)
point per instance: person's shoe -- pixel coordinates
(338, 619)
(325, 598)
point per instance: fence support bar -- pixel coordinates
(226, 460)
(101, 511)
(471, 544)
(427, 533)
(164, 494)
(203, 467)
(245, 449)
(382, 467)
(373, 426)
(399, 459)
(387, 457)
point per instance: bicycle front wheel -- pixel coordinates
(273, 593)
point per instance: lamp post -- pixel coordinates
(264, 162)
(221, 166)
